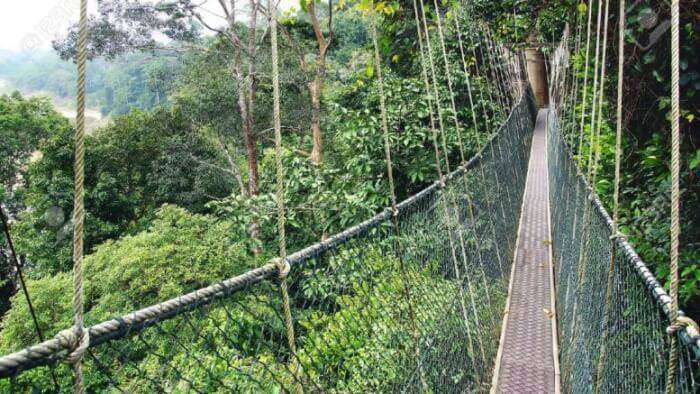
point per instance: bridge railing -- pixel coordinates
(370, 313)
(632, 339)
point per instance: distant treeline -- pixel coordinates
(135, 80)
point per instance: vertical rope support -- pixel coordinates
(441, 177)
(395, 212)
(584, 94)
(601, 97)
(488, 120)
(448, 193)
(591, 137)
(282, 264)
(675, 192)
(475, 123)
(448, 76)
(80, 339)
(616, 196)
(585, 236)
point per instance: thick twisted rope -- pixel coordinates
(282, 264)
(616, 195)
(81, 337)
(675, 191)
(53, 349)
(392, 189)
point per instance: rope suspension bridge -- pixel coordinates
(506, 274)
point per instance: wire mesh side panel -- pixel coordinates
(372, 311)
(634, 340)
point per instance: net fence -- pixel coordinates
(636, 343)
(372, 312)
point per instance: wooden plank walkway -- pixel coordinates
(526, 360)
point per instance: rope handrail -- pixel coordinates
(55, 349)
(51, 351)
(689, 334)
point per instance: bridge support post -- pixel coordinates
(537, 74)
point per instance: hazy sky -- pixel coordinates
(29, 24)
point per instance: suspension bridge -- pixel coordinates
(507, 274)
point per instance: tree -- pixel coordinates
(315, 86)
(126, 25)
(137, 163)
(24, 123)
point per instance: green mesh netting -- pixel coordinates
(637, 344)
(352, 298)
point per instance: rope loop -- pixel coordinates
(76, 341)
(684, 322)
(283, 267)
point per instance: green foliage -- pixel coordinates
(516, 21)
(178, 253)
(133, 166)
(645, 202)
(24, 124)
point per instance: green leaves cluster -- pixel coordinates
(134, 165)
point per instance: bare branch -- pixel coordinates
(224, 7)
(205, 24)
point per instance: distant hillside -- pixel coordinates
(139, 80)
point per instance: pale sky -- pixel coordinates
(31, 24)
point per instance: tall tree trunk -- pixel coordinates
(246, 100)
(315, 88)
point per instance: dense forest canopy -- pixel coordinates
(180, 181)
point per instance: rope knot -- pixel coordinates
(283, 267)
(683, 322)
(618, 235)
(394, 212)
(77, 341)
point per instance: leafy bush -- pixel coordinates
(179, 252)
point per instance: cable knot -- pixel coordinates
(76, 340)
(683, 322)
(283, 267)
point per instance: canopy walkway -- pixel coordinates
(528, 358)
(506, 274)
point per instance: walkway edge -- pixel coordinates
(553, 289)
(504, 322)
